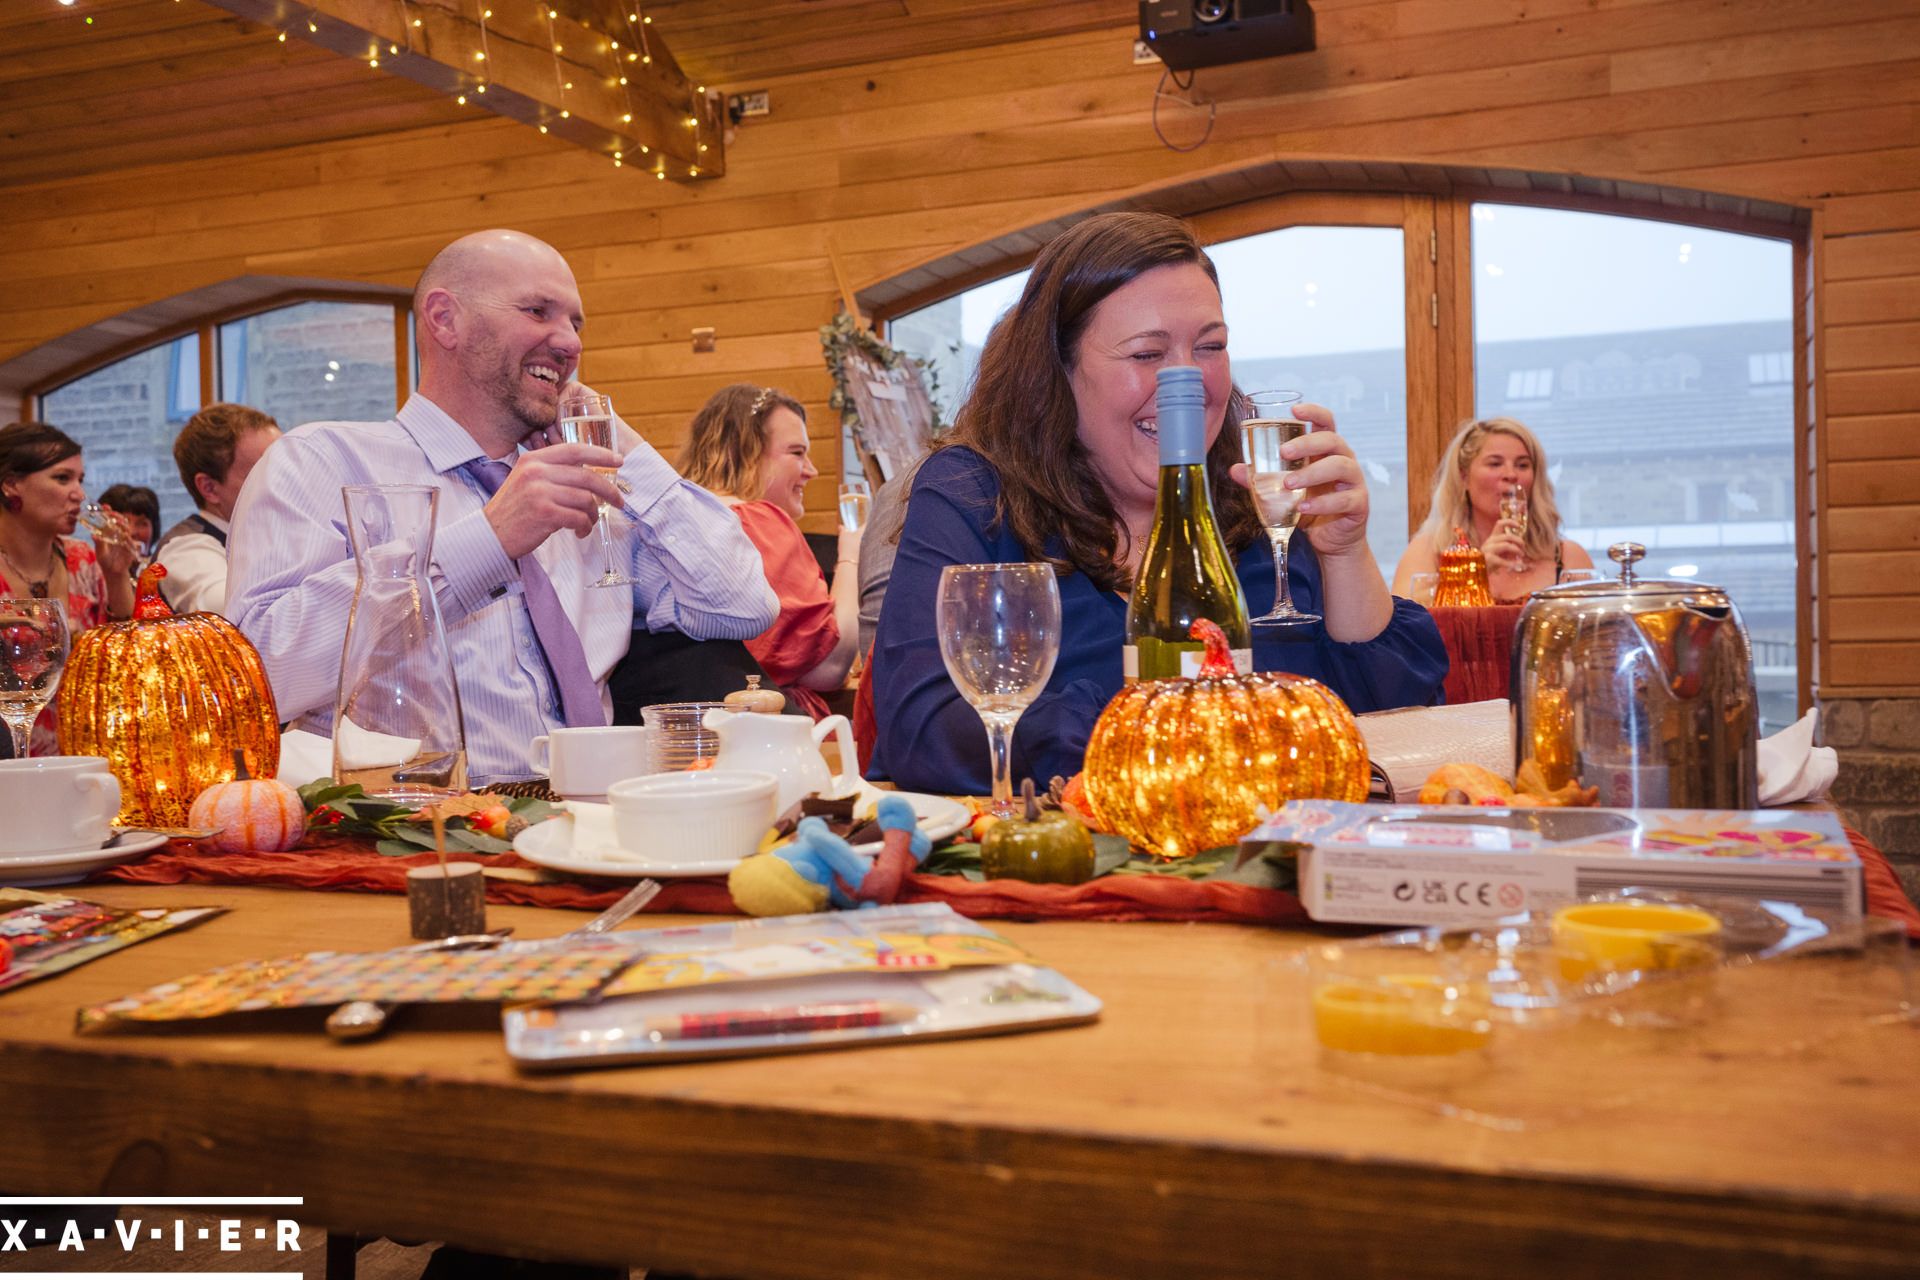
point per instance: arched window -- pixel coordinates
(302, 361)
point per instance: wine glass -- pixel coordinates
(586, 417)
(33, 653)
(999, 636)
(1270, 423)
(855, 501)
(1513, 508)
(107, 524)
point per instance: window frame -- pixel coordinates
(207, 325)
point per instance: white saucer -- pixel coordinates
(587, 845)
(33, 870)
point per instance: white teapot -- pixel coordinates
(788, 747)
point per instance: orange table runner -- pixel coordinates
(350, 864)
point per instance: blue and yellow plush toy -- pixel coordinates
(818, 867)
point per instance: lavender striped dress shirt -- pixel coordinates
(291, 575)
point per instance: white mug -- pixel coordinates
(56, 804)
(581, 764)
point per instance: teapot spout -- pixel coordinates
(1681, 639)
(716, 720)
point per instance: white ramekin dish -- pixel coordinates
(713, 813)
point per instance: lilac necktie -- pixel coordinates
(566, 659)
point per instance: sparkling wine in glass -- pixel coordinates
(33, 653)
(586, 417)
(1513, 508)
(999, 636)
(1271, 425)
(855, 501)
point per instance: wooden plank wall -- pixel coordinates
(1814, 102)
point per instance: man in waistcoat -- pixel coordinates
(215, 451)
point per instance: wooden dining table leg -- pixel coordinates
(343, 1252)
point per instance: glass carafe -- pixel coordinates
(397, 729)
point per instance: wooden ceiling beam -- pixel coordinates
(588, 91)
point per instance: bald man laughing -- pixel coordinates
(498, 318)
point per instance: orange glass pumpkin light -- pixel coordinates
(1463, 576)
(167, 700)
(1182, 766)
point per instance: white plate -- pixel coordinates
(32, 870)
(939, 817)
(586, 845)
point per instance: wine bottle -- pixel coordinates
(1186, 572)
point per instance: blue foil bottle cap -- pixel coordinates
(1180, 406)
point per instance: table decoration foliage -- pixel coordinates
(168, 701)
(1182, 765)
(482, 822)
(250, 812)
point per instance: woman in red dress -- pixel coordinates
(748, 445)
(42, 487)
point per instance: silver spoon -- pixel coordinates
(365, 1019)
(175, 833)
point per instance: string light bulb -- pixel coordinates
(627, 118)
(480, 88)
(462, 99)
(543, 128)
(283, 37)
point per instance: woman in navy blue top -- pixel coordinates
(1055, 457)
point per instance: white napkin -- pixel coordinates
(1792, 769)
(304, 757)
(1411, 743)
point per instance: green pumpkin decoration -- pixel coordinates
(1044, 847)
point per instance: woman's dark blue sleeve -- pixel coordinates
(1404, 666)
(929, 737)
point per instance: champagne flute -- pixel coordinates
(1269, 425)
(999, 636)
(33, 653)
(1513, 507)
(855, 501)
(586, 417)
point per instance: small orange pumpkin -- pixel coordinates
(167, 700)
(1182, 766)
(251, 813)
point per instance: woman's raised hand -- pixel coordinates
(1334, 513)
(1503, 547)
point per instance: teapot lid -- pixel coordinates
(754, 698)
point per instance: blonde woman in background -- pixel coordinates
(748, 445)
(1486, 459)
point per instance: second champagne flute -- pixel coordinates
(999, 630)
(1269, 425)
(586, 417)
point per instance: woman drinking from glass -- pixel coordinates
(42, 489)
(1493, 485)
(748, 444)
(1055, 458)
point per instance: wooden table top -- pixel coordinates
(1171, 1137)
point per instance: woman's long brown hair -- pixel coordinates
(1021, 416)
